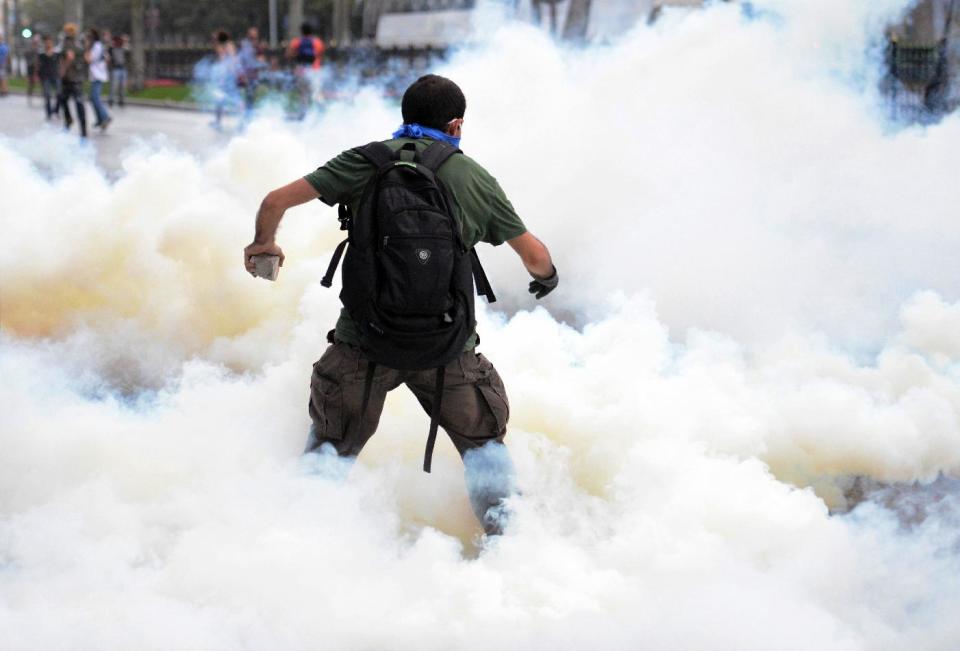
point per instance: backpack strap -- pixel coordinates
(327, 279)
(346, 223)
(377, 154)
(380, 156)
(480, 278)
(436, 154)
(434, 418)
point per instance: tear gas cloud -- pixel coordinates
(760, 303)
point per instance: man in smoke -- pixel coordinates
(473, 406)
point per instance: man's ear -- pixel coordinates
(453, 127)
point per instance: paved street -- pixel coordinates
(188, 130)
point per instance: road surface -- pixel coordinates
(187, 130)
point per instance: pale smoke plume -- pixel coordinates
(760, 302)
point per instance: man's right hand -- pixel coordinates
(540, 287)
(257, 249)
(268, 219)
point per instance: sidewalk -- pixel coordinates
(183, 105)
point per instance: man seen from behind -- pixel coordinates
(465, 395)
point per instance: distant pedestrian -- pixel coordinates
(224, 74)
(96, 57)
(307, 55)
(4, 55)
(31, 53)
(307, 50)
(251, 62)
(71, 79)
(117, 55)
(48, 69)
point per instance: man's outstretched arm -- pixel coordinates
(272, 208)
(536, 258)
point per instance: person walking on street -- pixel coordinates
(414, 207)
(96, 58)
(117, 55)
(33, 72)
(48, 68)
(71, 79)
(306, 52)
(223, 75)
(4, 55)
(250, 62)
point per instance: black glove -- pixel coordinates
(543, 286)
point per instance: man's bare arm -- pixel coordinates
(272, 209)
(536, 258)
(534, 255)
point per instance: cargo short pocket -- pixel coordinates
(492, 392)
(326, 399)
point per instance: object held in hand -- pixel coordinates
(267, 266)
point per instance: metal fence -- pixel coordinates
(367, 62)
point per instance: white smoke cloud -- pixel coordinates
(759, 304)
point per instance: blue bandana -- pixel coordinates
(419, 131)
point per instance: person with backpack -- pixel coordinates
(414, 207)
(306, 52)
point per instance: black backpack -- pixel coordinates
(407, 277)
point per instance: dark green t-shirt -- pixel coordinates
(482, 209)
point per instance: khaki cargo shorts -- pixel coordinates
(474, 409)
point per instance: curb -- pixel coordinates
(130, 101)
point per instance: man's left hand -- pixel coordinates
(540, 287)
(256, 249)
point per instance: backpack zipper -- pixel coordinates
(386, 238)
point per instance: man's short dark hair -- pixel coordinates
(432, 101)
(306, 29)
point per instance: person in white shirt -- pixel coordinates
(96, 57)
